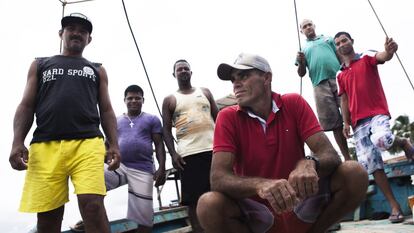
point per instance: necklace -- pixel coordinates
(131, 123)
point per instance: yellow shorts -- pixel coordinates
(52, 163)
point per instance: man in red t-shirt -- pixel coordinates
(261, 180)
(367, 111)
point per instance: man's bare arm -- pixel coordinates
(168, 108)
(224, 180)
(322, 148)
(390, 47)
(108, 121)
(159, 176)
(23, 120)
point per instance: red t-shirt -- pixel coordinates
(361, 82)
(273, 154)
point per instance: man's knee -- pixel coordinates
(50, 221)
(90, 203)
(351, 176)
(209, 201)
(215, 204)
(214, 210)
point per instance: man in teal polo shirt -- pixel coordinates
(319, 56)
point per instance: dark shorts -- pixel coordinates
(328, 104)
(195, 179)
(260, 219)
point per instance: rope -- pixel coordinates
(140, 56)
(300, 46)
(396, 54)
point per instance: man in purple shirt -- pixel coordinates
(137, 131)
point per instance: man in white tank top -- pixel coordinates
(192, 111)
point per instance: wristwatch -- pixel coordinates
(315, 159)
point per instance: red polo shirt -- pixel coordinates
(361, 82)
(271, 154)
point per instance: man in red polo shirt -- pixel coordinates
(261, 180)
(367, 111)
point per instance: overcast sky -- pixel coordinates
(205, 33)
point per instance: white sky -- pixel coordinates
(205, 33)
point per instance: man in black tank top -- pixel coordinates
(69, 97)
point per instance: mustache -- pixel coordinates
(185, 74)
(75, 37)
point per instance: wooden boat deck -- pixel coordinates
(175, 219)
(378, 226)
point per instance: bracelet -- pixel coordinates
(315, 159)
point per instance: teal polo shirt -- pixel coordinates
(321, 59)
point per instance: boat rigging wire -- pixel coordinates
(300, 46)
(140, 56)
(396, 54)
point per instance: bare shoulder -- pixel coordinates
(33, 67)
(206, 92)
(32, 75)
(168, 104)
(169, 99)
(102, 70)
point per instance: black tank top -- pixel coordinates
(67, 99)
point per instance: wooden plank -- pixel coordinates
(117, 226)
(380, 226)
(167, 215)
(181, 230)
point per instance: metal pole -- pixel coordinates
(63, 14)
(300, 46)
(396, 54)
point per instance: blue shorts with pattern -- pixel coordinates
(373, 135)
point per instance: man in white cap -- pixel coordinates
(64, 92)
(261, 180)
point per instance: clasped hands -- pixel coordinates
(283, 195)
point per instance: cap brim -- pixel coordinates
(224, 70)
(71, 20)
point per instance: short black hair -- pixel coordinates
(178, 61)
(134, 89)
(343, 33)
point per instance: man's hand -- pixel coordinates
(19, 156)
(300, 58)
(347, 131)
(280, 195)
(159, 177)
(390, 46)
(178, 161)
(113, 158)
(304, 179)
